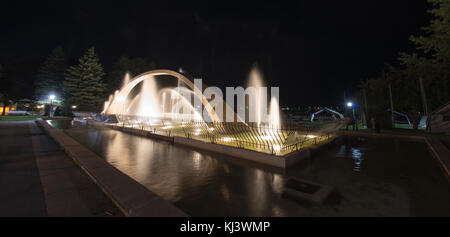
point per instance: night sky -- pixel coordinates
(312, 50)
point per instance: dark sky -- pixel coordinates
(312, 50)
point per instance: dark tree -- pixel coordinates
(434, 44)
(431, 59)
(134, 66)
(430, 62)
(83, 85)
(51, 74)
(3, 89)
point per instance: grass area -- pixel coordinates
(26, 117)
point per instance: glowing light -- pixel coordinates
(120, 98)
(266, 137)
(311, 136)
(276, 147)
(74, 106)
(349, 104)
(52, 97)
(227, 139)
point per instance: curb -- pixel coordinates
(132, 198)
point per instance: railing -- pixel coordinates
(263, 138)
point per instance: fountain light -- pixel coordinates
(276, 147)
(120, 98)
(266, 137)
(227, 139)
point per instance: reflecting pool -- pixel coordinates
(373, 177)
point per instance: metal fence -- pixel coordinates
(263, 138)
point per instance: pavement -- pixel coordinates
(37, 178)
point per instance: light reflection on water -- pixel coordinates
(357, 159)
(354, 153)
(207, 184)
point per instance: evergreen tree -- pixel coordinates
(51, 74)
(124, 64)
(83, 85)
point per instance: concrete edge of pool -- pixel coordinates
(131, 197)
(283, 162)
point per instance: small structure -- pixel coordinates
(400, 118)
(333, 112)
(304, 190)
(439, 121)
(24, 104)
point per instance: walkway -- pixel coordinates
(38, 179)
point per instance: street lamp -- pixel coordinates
(351, 105)
(51, 97)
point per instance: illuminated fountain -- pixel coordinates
(165, 111)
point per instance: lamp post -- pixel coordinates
(51, 97)
(351, 105)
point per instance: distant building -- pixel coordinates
(6, 108)
(22, 106)
(440, 119)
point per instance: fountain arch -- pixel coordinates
(122, 95)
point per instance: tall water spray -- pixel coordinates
(256, 80)
(274, 114)
(148, 104)
(116, 102)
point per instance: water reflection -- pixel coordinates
(357, 159)
(207, 184)
(354, 153)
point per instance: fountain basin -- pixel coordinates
(283, 161)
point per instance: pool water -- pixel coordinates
(372, 177)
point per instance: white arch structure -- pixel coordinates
(125, 90)
(326, 109)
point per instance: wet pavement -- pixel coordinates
(38, 179)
